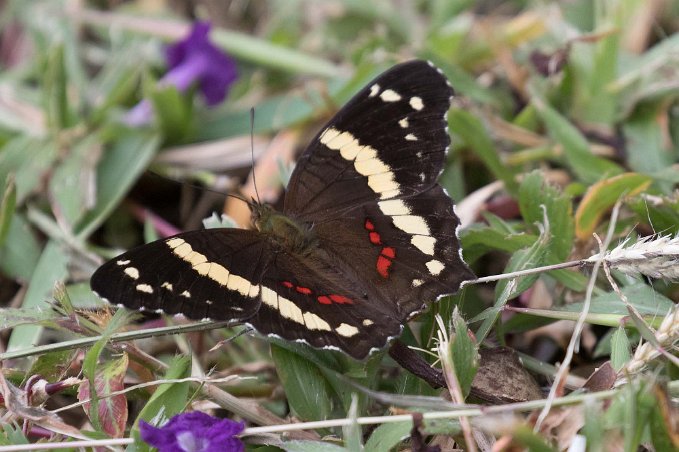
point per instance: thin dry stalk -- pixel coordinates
(667, 337)
(579, 325)
(452, 382)
(656, 257)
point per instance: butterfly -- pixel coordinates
(366, 238)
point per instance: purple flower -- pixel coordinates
(194, 432)
(192, 60)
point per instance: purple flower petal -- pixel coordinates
(139, 115)
(176, 53)
(196, 59)
(194, 432)
(192, 60)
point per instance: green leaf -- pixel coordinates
(308, 392)
(7, 205)
(387, 436)
(118, 79)
(535, 193)
(29, 159)
(525, 259)
(50, 268)
(573, 280)
(520, 323)
(620, 349)
(596, 66)
(662, 217)
(21, 252)
(491, 314)
(533, 441)
(464, 353)
(594, 427)
(644, 298)
(663, 421)
(352, 433)
(637, 408)
(267, 54)
(274, 113)
(56, 99)
(645, 149)
(70, 184)
(54, 366)
(167, 400)
(464, 83)
(642, 327)
(612, 320)
(123, 162)
(12, 317)
(477, 241)
(475, 136)
(602, 196)
(576, 150)
(173, 112)
(12, 435)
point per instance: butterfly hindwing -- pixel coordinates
(214, 273)
(313, 301)
(408, 249)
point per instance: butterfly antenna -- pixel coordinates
(154, 173)
(252, 150)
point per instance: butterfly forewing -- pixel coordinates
(388, 141)
(212, 274)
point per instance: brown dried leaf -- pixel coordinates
(502, 379)
(562, 424)
(602, 378)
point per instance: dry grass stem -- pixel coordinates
(667, 336)
(656, 257)
(443, 351)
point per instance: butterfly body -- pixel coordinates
(291, 235)
(366, 238)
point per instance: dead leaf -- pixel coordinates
(502, 379)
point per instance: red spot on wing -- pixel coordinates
(340, 299)
(383, 265)
(384, 260)
(287, 284)
(303, 290)
(389, 252)
(324, 300)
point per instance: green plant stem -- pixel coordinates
(117, 337)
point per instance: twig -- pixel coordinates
(529, 271)
(116, 337)
(571, 399)
(579, 325)
(452, 382)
